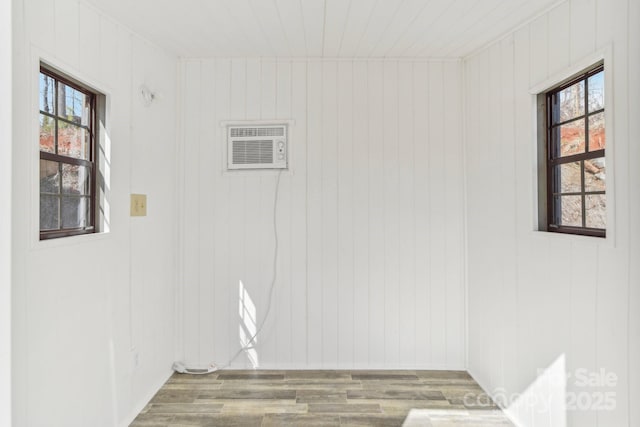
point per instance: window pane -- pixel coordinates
(66, 128)
(49, 212)
(568, 103)
(567, 178)
(596, 91)
(73, 141)
(47, 130)
(596, 132)
(569, 209)
(74, 212)
(596, 206)
(572, 137)
(73, 105)
(75, 179)
(47, 91)
(595, 174)
(49, 177)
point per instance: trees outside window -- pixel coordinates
(575, 146)
(67, 156)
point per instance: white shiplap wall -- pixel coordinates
(534, 297)
(634, 213)
(370, 216)
(5, 211)
(84, 306)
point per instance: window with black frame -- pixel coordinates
(576, 172)
(67, 156)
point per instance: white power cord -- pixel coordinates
(181, 367)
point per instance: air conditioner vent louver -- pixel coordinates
(256, 131)
(249, 152)
(257, 147)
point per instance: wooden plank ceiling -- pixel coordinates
(323, 28)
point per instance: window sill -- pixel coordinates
(575, 238)
(79, 239)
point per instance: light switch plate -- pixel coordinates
(138, 205)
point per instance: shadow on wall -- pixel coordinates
(104, 178)
(248, 325)
(543, 403)
(556, 392)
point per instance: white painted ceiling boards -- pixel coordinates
(323, 28)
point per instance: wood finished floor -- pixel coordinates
(321, 398)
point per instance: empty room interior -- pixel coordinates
(320, 212)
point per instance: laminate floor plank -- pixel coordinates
(184, 408)
(371, 420)
(319, 375)
(322, 398)
(217, 420)
(306, 420)
(344, 408)
(396, 394)
(247, 394)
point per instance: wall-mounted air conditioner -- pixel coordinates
(257, 146)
